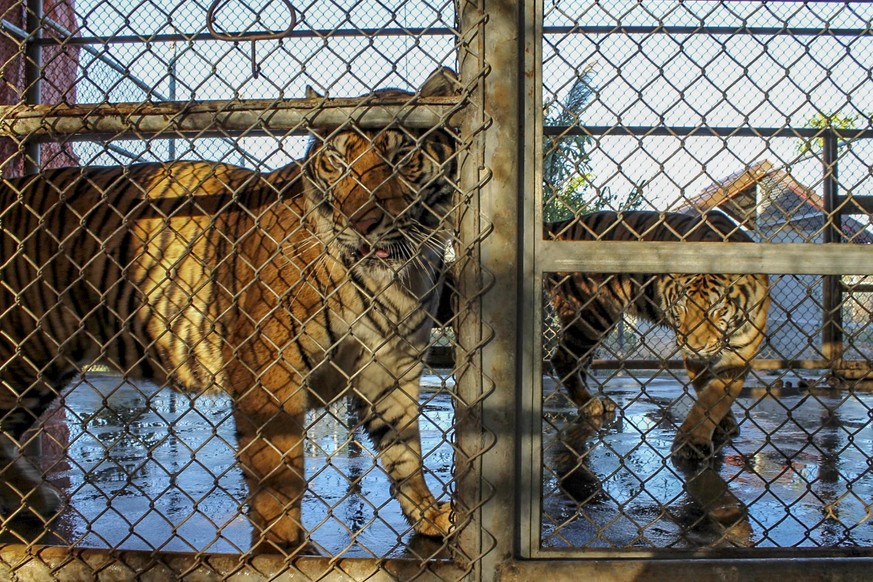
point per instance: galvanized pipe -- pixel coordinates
(832, 296)
(705, 257)
(218, 118)
(32, 75)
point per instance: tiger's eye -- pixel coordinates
(334, 158)
(404, 157)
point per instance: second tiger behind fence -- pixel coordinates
(719, 319)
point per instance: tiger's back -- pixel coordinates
(719, 319)
(128, 266)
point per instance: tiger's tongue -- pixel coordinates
(378, 251)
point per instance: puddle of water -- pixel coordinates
(798, 475)
(148, 468)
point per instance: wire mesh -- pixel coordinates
(161, 205)
(725, 107)
(759, 111)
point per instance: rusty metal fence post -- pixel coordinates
(496, 172)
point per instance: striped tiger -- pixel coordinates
(719, 320)
(287, 290)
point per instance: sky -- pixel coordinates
(673, 79)
(212, 69)
(724, 79)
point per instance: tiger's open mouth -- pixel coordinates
(366, 251)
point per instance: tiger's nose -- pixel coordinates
(366, 224)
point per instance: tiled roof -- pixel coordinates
(739, 188)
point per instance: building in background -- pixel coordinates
(56, 83)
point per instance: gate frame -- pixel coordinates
(541, 256)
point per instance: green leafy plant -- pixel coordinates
(567, 175)
(566, 168)
(821, 121)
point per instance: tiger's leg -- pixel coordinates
(270, 430)
(22, 486)
(390, 416)
(710, 422)
(719, 380)
(728, 427)
(571, 360)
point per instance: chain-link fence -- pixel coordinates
(226, 233)
(277, 297)
(680, 413)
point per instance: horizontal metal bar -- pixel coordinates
(435, 31)
(705, 257)
(445, 359)
(704, 131)
(13, 29)
(365, 33)
(619, 567)
(34, 563)
(850, 204)
(760, 364)
(207, 118)
(706, 30)
(860, 288)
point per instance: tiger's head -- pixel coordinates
(712, 313)
(381, 198)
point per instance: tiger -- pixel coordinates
(288, 290)
(719, 320)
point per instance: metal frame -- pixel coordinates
(212, 118)
(499, 367)
(32, 78)
(543, 256)
(490, 328)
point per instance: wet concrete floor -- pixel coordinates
(153, 469)
(798, 476)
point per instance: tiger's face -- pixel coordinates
(381, 198)
(705, 315)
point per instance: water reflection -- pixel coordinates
(798, 475)
(152, 469)
(569, 455)
(712, 514)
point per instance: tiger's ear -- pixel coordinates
(441, 83)
(312, 93)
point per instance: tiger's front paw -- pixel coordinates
(437, 521)
(726, 430)
(598, 407)
(690, 451)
